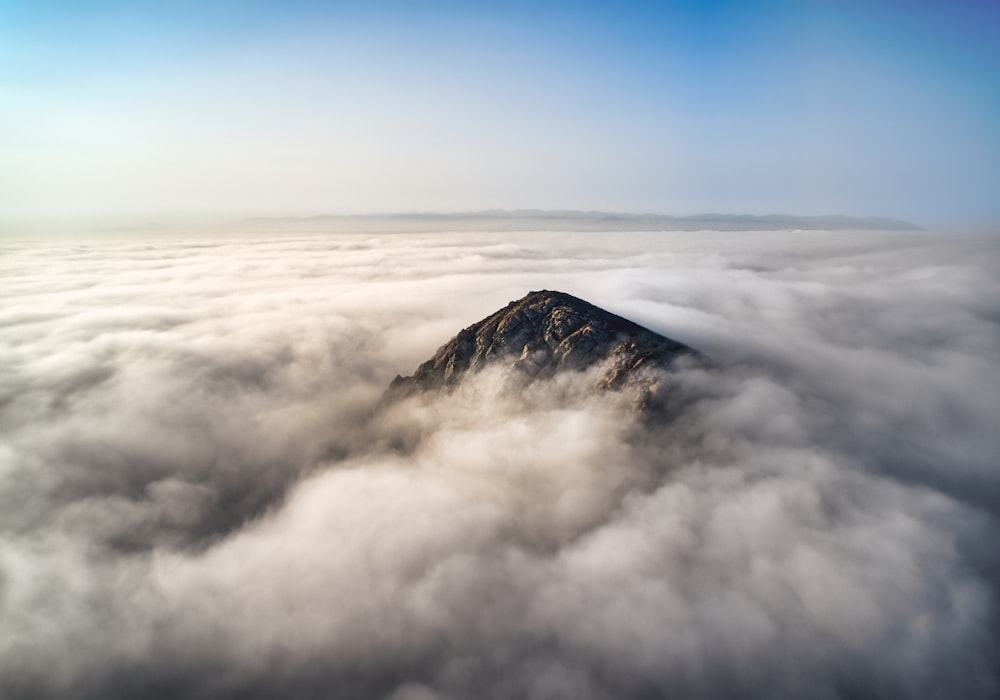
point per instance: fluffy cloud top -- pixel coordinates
(201, 498)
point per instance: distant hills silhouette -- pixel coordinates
(569, 220)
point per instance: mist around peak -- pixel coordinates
(204, 495)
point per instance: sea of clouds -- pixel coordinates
(201, 495)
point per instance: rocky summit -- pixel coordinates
(544, 333)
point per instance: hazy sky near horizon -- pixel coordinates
(224, 107)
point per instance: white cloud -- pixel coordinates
(199, 498)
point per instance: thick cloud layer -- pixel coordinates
(199, 497)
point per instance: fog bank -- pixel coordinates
(200, 499)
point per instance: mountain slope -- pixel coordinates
(544, 333)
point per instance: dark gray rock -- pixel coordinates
(544, 333)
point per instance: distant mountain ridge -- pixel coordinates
(593, 221)
(544, 333)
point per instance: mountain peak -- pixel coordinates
(541, 334)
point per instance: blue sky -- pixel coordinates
(235, 108)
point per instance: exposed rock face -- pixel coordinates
(544, 333)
